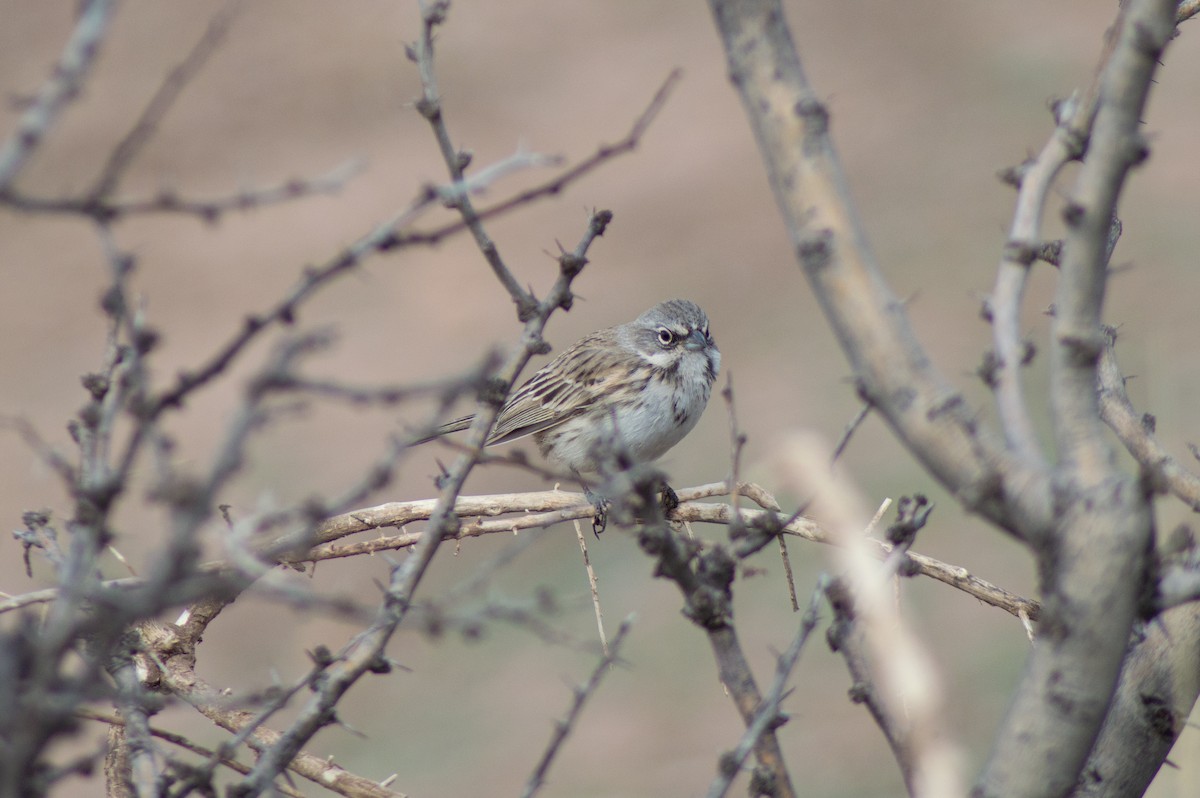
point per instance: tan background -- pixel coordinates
(928, 101)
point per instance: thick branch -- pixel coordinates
(893, 372)
(1095, 564)
(1158, 688)
(1115, 147)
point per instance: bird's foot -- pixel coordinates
(600, 508)
(669, 499)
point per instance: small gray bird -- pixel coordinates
(643, 384)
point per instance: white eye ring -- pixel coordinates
(665, 336)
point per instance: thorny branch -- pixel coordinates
(582, 693)
(768, 715)
(908, 695)
(363, 654)
(510, 513)
(209, 210)
(172, 86)
(63, 86)
(703, 572)
(1136, 432)
(109, 449)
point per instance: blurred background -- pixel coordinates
(928, 101)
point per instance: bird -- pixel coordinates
(637, 388)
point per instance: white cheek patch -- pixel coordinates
(662, 360)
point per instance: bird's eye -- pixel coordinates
(665, 336)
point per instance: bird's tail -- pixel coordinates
(456, 425)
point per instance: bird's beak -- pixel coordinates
(696, 341)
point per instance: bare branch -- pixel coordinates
(893, 372)
(901, 670)
(582, 693)
(180, 677)
(848, 432)
(593, 585)
(51, 457)
(454, 194)
(1136, 432)
(209, 210)
(1116, 146)
(433, 13)
(60, 89)
(1097, 552)
(546, 508)
(168, 92)
(555, 186)
(704, 577)
(1034, 179)
(768, 715)
(186, 744)
(141, 759)
(1155, 696)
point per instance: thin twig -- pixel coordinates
(60, 89)
(592, 585)
(160, 103)
(903, 671)
(186, 744)
(209, 210)
(1136, 432)
(768, 714)
(563, 727)
(555, 186)
(849, 431)
(433, 13)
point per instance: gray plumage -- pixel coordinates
(646, 381)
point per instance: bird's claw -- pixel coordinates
(600, 511)
(669, 499)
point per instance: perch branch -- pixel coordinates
(546, 508)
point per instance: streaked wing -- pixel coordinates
(572, 384)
